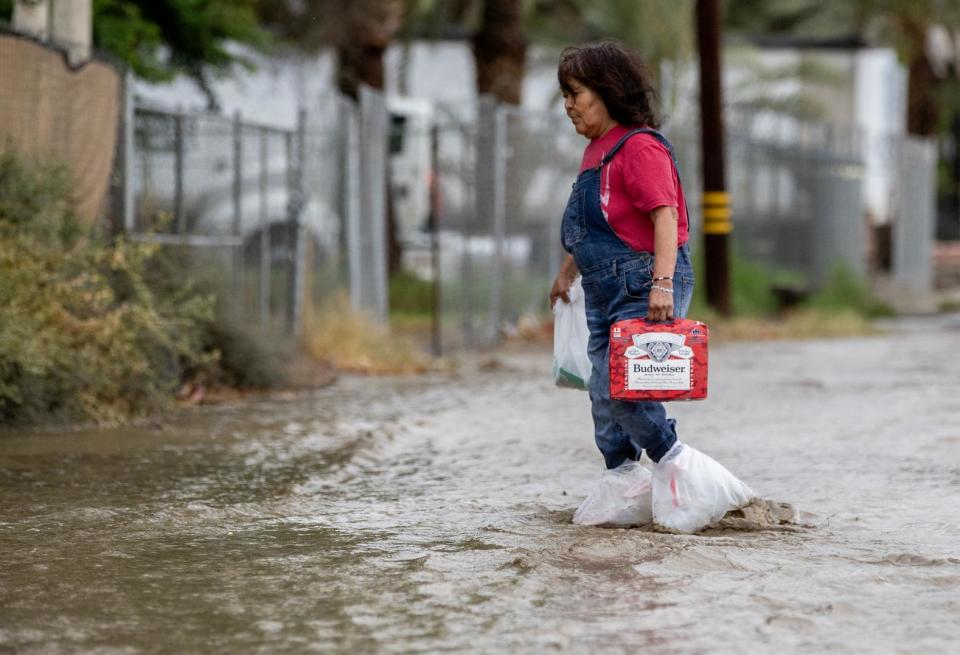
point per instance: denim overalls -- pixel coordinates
(616, 284)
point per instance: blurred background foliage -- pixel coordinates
(203, 39)
(83, 335)
(160, 39)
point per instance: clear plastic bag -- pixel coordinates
(691, 491)
(620, 498)
(571, 366)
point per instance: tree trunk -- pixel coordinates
(500, 51)
(923, 111)
(948, 191)
(369, 26)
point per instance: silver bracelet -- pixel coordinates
(664, 289)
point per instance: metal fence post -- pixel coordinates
(298, 233)
(351, 197)
(466, 259)
(352, 209)
(373, 167)
(499, 217)
(837, 220)
(178, 200)
(289, 229)
(436, 340)
(487, 174)
(129, 118)
(264, 294)
(377, 125)
(914, 229)
(237, 227)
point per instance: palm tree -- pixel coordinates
(496, 30)
(904, 24)
(659, 30)
(360, 31)
(500, 49)
(367, 28)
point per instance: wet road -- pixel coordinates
(432, 515)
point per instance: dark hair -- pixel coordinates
(615, 73)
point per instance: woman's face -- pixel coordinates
(586, 110)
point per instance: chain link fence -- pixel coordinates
(280, 219)
(283, 219)
(914, 199)
(288, 216)
(488, 235)
(807, 199)
(226, 191)
(502, 176)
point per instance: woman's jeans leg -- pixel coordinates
(622, 429)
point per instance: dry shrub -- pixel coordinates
(83, 336)
(350, 341)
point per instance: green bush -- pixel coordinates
(845, 290)
(750, 287)
(752, 294)
(83, 336)
(246, 358)
(410, 294)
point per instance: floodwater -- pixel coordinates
(432, 515)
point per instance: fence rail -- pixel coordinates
(230, 190)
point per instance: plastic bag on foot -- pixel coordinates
(620, 498)
(691, 491)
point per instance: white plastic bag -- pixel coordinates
(571, 366)
(621, 498)
(692, 490)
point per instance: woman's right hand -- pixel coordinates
(561, 286)
(560, 289)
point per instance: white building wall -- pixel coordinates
(32, 18)
(880, 89)
(271, 94)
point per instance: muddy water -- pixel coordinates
(433, 516)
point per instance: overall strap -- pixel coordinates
(642, 130)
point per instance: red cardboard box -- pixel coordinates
(658, 361)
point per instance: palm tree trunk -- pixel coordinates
(500, 50)
(366, 30)
(923, 110)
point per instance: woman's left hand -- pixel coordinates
(660, 305)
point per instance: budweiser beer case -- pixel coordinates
(658, 361)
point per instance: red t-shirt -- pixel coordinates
(639, 178)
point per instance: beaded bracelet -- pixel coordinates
(664, 289)
(665, 277)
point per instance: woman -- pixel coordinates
(625, 229)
